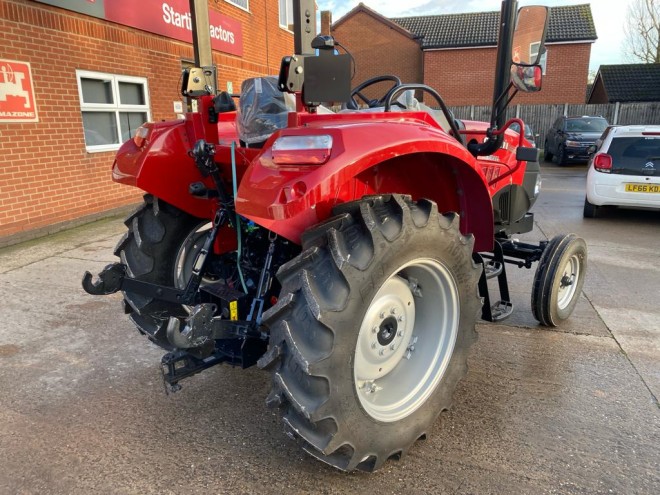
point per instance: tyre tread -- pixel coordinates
(329, 259)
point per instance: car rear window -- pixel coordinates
(635, 155)
(586, 125)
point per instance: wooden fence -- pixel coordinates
(541, 117)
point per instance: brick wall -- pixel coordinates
(46, 175)
(379, 49)
(465, 77)
(598, 94)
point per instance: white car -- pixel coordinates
(625, 170)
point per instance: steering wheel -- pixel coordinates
(352, 104)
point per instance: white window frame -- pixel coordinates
(238, 5)
(533, 52)
(117, 107)
(289, 14)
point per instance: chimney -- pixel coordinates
(326, 22)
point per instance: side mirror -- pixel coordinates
(528, 48)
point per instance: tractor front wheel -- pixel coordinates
(371, 332)
(559, 279)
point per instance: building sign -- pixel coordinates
(17, 102)
(169, 18)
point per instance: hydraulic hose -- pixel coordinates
(239, 235)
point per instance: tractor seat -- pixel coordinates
(262, 111)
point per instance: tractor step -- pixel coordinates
(501, 310)
(493, 269)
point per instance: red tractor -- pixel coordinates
(349, 252)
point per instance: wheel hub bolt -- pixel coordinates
(392, 347)
(400, 318)
(374, 329)
(381, 352)
(371, 387)
(373, 345)
(394, 311)
(400, 333)
(382, 315)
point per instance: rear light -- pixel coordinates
(140, 136)
(603, 163)
(308, 150)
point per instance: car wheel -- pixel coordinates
(562, 157)
(546, 152)
(590, 210)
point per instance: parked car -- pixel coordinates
(599, 142)
(625, 171)
(529, 132)
(569, 138)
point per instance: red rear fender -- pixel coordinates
(367, 158)
(162, 166)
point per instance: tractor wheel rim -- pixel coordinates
(568, 282)
(185, 258)
(406, 340)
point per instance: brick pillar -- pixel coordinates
(326, 21)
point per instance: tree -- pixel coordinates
(642, 31)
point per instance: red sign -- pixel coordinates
(169, 18)
(172, 19)
(17, 102)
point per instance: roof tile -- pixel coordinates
(567, 23)
(631, 82)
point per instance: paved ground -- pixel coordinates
(571, 410)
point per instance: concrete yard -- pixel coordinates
(567, 410)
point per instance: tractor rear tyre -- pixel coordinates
(371, 332)
(559, 279)
(159, 247)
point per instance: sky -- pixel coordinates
(609, 17)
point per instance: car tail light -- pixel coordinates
(603, 163)
(309, 150)
(140, 136)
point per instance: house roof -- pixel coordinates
(568, 23)
(372, 13)
(630, 82)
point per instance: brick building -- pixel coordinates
(456, 53)
(76, 79)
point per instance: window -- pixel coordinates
(112, 107)
(244, 4)
(286, 14)
(533, 53)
